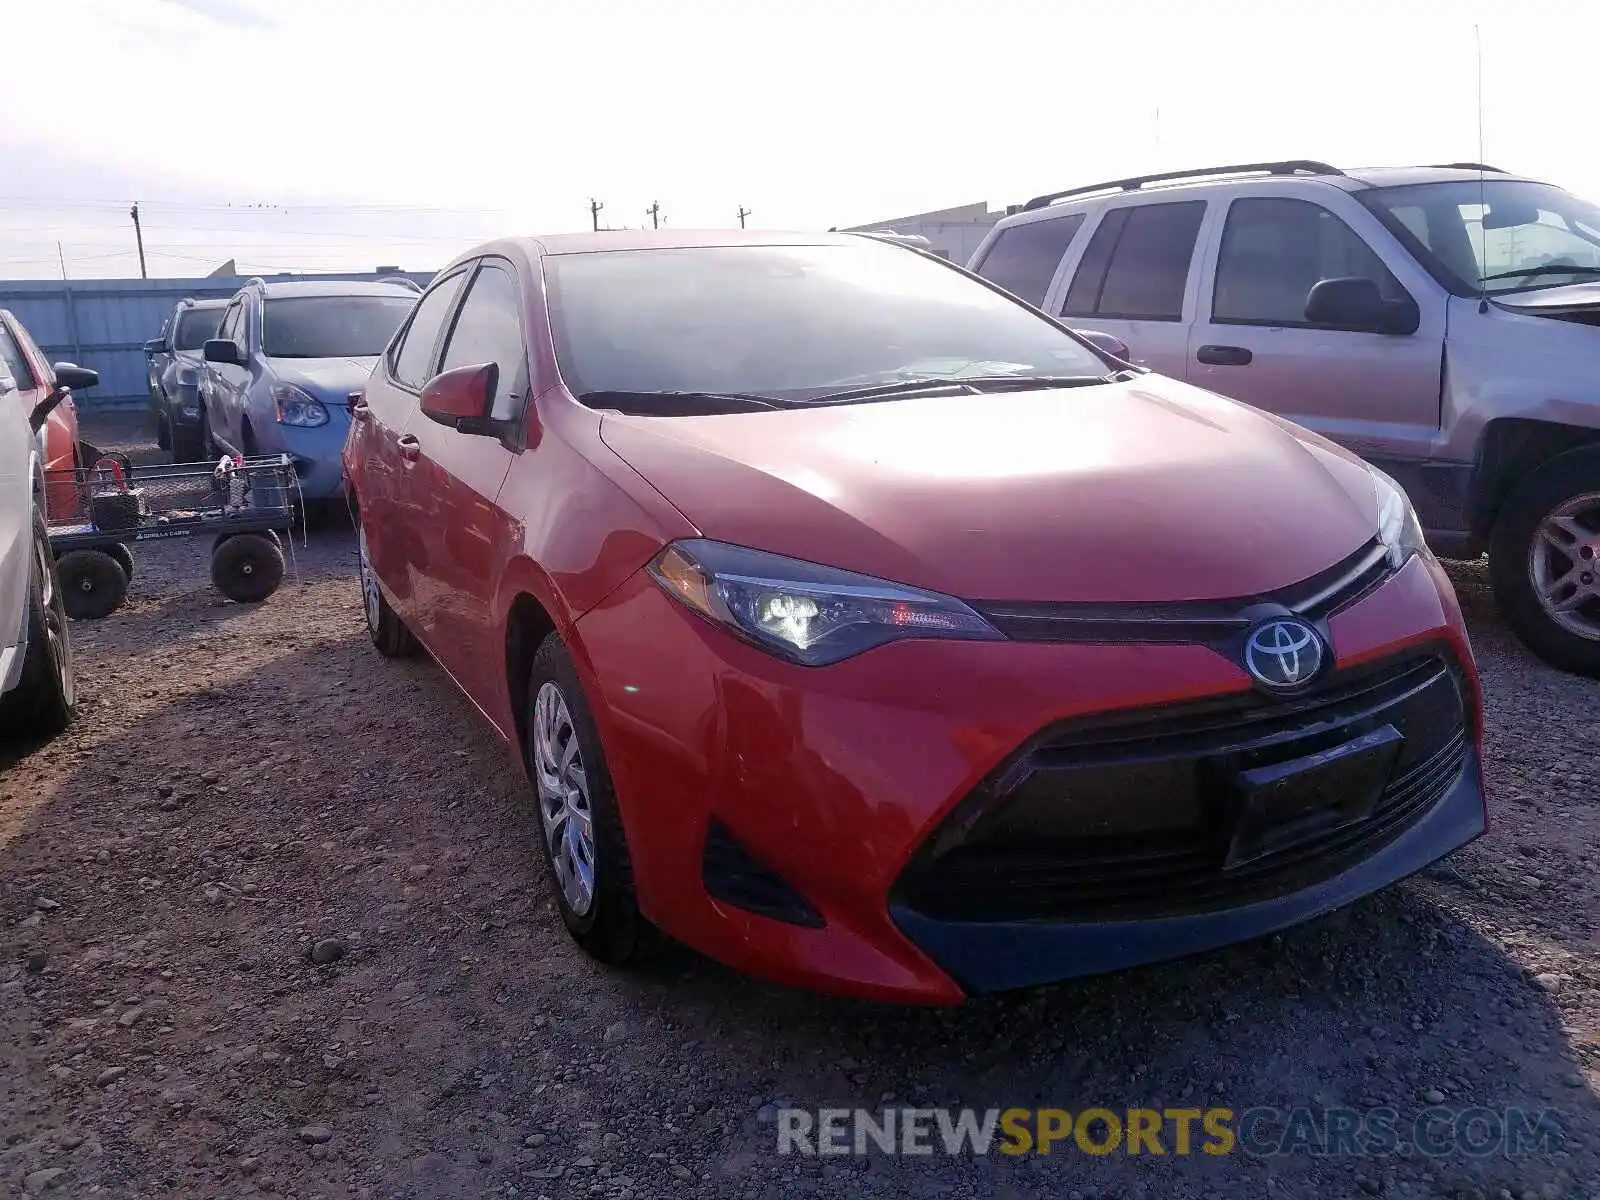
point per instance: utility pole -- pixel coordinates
(743, 213)
(655, 214)
(138, 235)
(594, 213)
(62, 258)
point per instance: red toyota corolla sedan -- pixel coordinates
(867, 630)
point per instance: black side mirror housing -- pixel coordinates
(155, 346)
(74, 378)
(221, 350)
(1357, 306)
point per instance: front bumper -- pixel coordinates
(316, 453)
(828, 784)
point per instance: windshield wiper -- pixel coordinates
(970, 383)
(647, 404)
(1546, 269)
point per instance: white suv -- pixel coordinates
(1439, 321)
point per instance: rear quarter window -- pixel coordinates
(1023, 258)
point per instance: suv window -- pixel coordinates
(411, 359)
(1137, 264)
(489, 329)
(229, 329)
(194, 327)
(1275, 251)
(1023, 259)
(12, 361)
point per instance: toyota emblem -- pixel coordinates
(1282, 654)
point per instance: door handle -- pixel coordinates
(1224, 356)
(358, 407)
(410, 448)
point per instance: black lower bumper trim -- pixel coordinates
(992, 956)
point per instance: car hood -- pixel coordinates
(330, 380)
(1143, 491)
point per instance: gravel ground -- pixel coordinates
(246, 783)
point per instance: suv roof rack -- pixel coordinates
(1467, 167)
(1293, 166)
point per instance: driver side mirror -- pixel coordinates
(155, 346)
(222, 350)
(74, 377)
(460, 398)
(1357, 306)
(1113, 346)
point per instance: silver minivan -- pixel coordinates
(1439, 321)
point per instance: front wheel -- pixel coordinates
(1544, 561)
(43, 702)
(583, 841)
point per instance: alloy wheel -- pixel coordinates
(55, 623)
(564, 808)
(1564, 565)
(370, 596)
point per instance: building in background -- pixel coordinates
(954, 233)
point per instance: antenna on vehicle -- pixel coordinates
(1483, 201)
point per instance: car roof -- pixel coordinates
(660, 239)
(335, 287)
(1264, 174)
(191, 302)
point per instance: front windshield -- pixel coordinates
(195, 326)
(793, 322)
(1500, 235)
(331, 326)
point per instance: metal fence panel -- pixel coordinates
(104, 323)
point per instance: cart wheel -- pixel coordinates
(247, 568)
(124, 557)
(93, 584)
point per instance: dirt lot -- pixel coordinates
(243, 783)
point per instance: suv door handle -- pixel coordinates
(1224, 356)
(358, 406)
(410, 448)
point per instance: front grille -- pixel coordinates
(1133, 817)
(1205, 621)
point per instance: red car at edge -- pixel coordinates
(868, 630)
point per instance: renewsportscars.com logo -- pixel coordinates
(1259, 1132)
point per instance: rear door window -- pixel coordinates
(1136, 266)
(1023, 258)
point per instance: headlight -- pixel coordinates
(1398, 528)
(803, 612)
(188, 376)
(294, 407)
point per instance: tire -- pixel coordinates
(1570, 641)
(247, 568)
(186, 444)
(43, 702)
(163, 433)
(124, 557)
(384, 626)
(608, 926)
(93, 584)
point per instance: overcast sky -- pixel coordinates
(366, 132)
